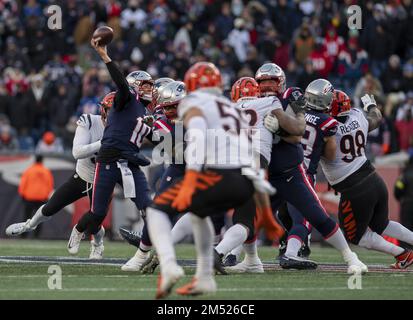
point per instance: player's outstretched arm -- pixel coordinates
(122, 96)
(82, 147)
(374, 116)
(295, 126)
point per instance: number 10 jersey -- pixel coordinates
(351, 138)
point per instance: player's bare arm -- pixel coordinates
(330, 147)
(374, 116)
(295, 126)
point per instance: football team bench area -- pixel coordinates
(24, 267)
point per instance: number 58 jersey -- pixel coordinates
(228, 144)
(351, 138)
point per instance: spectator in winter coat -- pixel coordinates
(392, 76)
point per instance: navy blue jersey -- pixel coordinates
(125, 130)
(285, 155)
(319, 125)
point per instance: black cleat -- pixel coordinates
(131, 237)
(230, 260)
(297, 263)
(218, 265)
(304, 251)
(282, 248)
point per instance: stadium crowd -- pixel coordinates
(48, 78)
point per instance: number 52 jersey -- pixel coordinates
(351, 138)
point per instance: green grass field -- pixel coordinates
(29, 280)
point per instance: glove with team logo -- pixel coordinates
(271, 123)
(368, 102)
(258, 179)
(298, 104)
(148, 120)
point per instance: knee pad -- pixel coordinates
(366, 240)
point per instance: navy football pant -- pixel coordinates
(171, 174)
(304, 205)
(107, 175)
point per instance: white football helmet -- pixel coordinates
(319, 95)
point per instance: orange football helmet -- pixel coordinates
(341, 104)
(245, 87)
(106, 104)
(202, 75)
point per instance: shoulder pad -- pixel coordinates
(85, 121)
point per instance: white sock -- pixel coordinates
(235, 236)
(251, 253)
(38, 218)
(203, 238)
(237, 251)
(338, 241)
(293, 246)
(398, 231)
(181, 229)
(372, 240)
(159, 227)
(144, 248)
(98, 237)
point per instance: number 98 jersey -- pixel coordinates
(351, 138)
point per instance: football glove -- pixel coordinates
(271, 123)
(258, 179)
(368, 102)
(298, 104)
(149, 120)
(184, 197)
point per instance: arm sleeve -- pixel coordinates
(123, 93)
(82, 148)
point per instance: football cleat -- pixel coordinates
(167, 280)
(218, 265)
(198, 286)
(136, 262)
(282, 248)
(74, 241)
(16, 229)
(355, 266)
(247, 267)
(404, 260)
(131, 237)
(96, 251)
(297, 263)
(151, 264)
(304, 251)
(230, 260)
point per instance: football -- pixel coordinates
(105, 33)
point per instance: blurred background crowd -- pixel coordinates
(50, 77)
